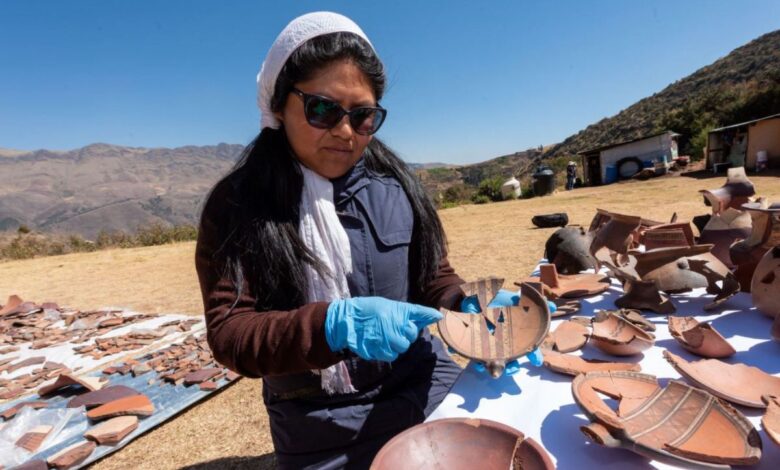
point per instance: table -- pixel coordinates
(539, 402)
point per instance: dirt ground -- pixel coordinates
(230, 430)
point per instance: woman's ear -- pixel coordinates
(279, 117)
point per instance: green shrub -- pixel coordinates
(480, 199)
(491, 188)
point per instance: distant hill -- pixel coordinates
(109, 187)
(741, 86)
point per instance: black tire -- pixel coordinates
(628, 167)
(559, 219)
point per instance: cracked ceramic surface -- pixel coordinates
(765, 235)
(728, 381)
(765, 285)
(569, 336)
(570, 364)
(677, 424)
(699, 338)
(771, 419)
(569, 250)
(644, 295)
(497, 336)
(462, 443)
(737, 191)
(569, 285)
(723, 229)
(617, 336)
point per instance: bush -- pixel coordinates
(491, 189)
(30, 244)
(480, 199)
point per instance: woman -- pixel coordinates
(321, 260)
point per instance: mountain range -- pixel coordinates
(111, 187)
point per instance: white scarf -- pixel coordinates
(320, 227)
(324, 235)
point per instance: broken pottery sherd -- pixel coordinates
(669, 235)
(198, 376)
(13, 302)
(570, 364)
(635, 316)
(32, 439)
(644, 295)
(68, 379)
(723, 229)
(500, 335)
(12, 411)
(71, 455)
(569, 286)
(737, 191)
(569, 250)
(138, 405)
(737, 383)
(682, 269)
(677, 425)
(765, 286)
(101, 397)
(618, 233)
(771, 419)
(699, 338)
(111, 431)
(462, 443)
(569, 336)
(208, 386)
(484, 289)
(565, 307)
(764, 235)
(617, 336)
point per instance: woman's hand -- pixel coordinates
(375, 328)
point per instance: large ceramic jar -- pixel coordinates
(765, 234)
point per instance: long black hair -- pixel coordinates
(261, 245)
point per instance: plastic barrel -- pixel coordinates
(611, 174)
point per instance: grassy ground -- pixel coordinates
(231, 429)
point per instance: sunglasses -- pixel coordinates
(324, 113)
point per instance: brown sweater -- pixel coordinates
(276, 342)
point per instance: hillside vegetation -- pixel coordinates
(741, 86)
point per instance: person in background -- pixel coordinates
(571, 175)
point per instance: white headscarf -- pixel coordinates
(299, 30)
(319, 227)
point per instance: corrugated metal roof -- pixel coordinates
(605, 147)
(774, 116)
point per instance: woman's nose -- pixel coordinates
(343, 129)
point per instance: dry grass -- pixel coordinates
(231, 429)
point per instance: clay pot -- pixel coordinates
(682, 269)
(462, 443)
(737, 383)
(723, 229)
(617, 336)
(699, 428)
(699, 338)
(644, 295)
(765, 286)
(734, 193)
(569, 250)
(569, 286)
(574, 365)
(635, 317)
(765, 234)
(498, 335)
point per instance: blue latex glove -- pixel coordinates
(375, 328)
(505, 298)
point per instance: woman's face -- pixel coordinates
(328, 152)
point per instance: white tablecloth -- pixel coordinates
(539, 402)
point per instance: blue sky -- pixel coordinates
(468, 80)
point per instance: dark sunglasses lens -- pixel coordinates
(322, 113)
(367, 121)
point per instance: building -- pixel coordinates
(609, 163)
(745, 143)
